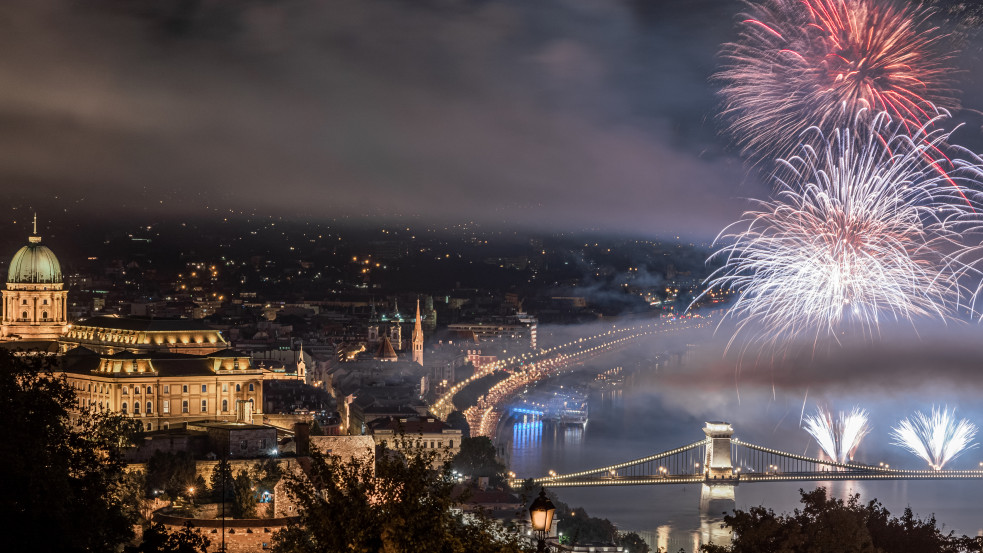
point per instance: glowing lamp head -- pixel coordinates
(541, 512)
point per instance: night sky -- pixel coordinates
(556, 114)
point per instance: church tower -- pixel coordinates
(34, 301)
(418, 336)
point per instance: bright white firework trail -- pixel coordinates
(865, 228)
(839, 438)
(937, 438)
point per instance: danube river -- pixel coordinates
(656, 409)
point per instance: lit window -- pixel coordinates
(125, 390)
(166, 407)
(225, 386)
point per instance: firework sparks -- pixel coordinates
(822, 62)
(838, 439)
(865, 228)
(937, 438)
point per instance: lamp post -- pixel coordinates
(541, 514)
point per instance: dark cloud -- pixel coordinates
(557, 113)
(563, 113)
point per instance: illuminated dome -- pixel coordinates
(34, 264)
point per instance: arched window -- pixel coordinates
(149, 427)
(251, 388)
(225, 405)
(123, 410)
(23, 315)
(238, 388)
(136, 407)
(44, 314)
(150, 390)
(136, 389)
(150, 408)
(125, 390)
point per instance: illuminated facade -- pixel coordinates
(163, 389)
(110, 334)
(34, 299)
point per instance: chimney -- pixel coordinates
(302, 437)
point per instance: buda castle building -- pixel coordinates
(163, 372)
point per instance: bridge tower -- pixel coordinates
(718, 463)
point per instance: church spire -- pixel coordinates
(418, 336)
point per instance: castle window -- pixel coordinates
(225, 386)
(44, 314)
(225, 405)
(204, 388)
(251, 388)
(45, 302)
(149, 427)
(150, 408)
(23, 302)
(124, 408)
(184, 406)
(204, 405)
(136, 407)
(136, 389)
(238, 387)
(166, 407)
(184, 388)
(150, 389)
(167, 389)
(23, 315)
(125, 391)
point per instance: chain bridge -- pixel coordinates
(720, 459)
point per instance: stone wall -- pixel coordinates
(241, 536)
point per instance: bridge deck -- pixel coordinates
(658, 480)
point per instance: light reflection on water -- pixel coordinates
(636, 425)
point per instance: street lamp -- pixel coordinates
(541, 514)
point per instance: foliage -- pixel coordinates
(243, 496)
(458, 421)
(477, 458)
(469, 395)
(156, 539)
(222, 482)
(170, 473)
(64, 483)
(316, 429)
(266, 473)
(830, 524)
(631, 542)
(397, 504)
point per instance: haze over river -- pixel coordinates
(662, 408)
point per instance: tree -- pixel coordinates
(477, 458)
(316, 429)
(631, 542)
(457, 421)
(243, 496)
(156, 539)
(398, 504)
(65, 487)
(222, 482)
(171, 474)
(830, 524)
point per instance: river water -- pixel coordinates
(661, 408)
